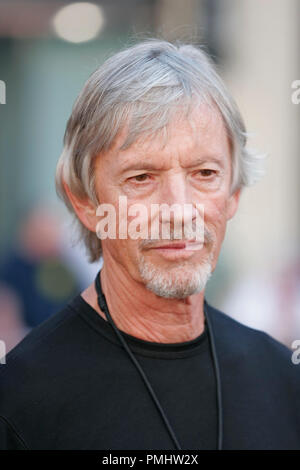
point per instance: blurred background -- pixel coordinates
(47, 51)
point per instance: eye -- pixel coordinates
(139, 178)
(207, 172)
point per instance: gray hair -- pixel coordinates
(142, 87)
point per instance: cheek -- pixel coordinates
(131, 223)
(124, 252)
(108, 193)
(215, 217)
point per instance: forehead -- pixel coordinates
(200, 134)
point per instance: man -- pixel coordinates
(139, 360)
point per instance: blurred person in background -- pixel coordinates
(35, 278)
(12, 325)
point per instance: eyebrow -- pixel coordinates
(140, 165)
(146, 165)
(219, 160)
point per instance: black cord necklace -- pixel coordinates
(103, 306)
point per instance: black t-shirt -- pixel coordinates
(71, 385)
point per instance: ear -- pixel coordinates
(232, 204)
(84, 209)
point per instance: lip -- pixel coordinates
(190, 244)
(171, 246)
(178, 250)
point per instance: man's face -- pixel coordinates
(193, 166)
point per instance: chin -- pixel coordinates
(178, 281)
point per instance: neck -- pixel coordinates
(145, 315)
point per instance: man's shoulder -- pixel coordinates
(231, 328)
(39, 345)
(251, 346)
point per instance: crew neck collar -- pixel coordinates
(138, 345)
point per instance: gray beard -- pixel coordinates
(178, 282)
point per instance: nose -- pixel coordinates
(174, 189)
(176, 205)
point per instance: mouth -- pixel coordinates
(176, 250)
(178, 245)
(172, 246)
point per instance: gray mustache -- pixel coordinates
(187, 233)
